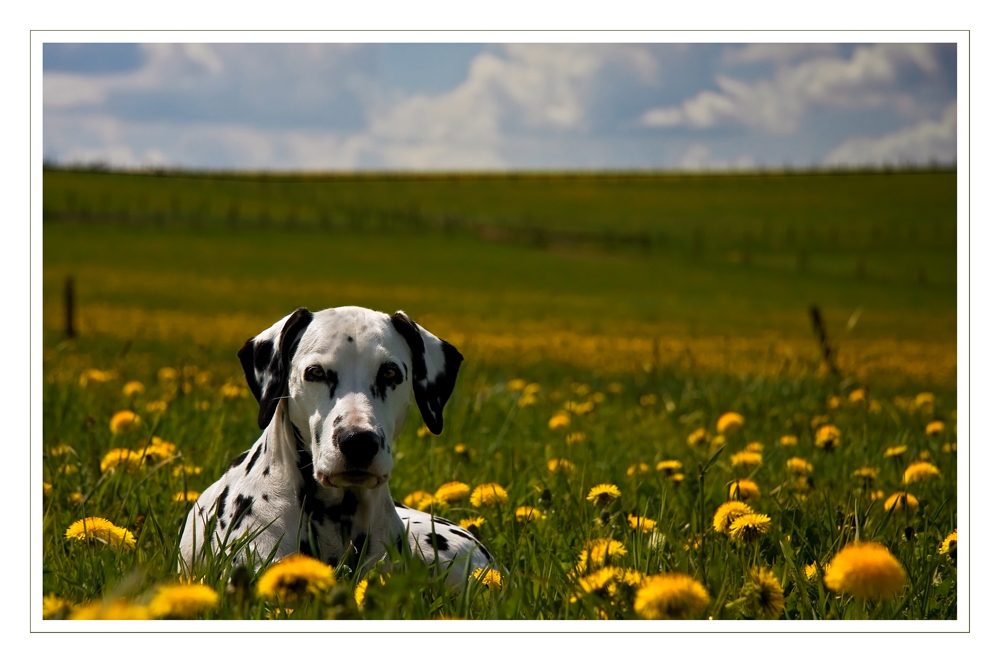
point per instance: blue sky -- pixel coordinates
(499, 106)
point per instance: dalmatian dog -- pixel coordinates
(334, 390)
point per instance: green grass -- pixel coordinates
(730, 258)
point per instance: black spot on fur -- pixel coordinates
(277, 368)
(242, 507)
(253, 459)
(439, 542)
(400, 505)
(267, 470)
(222, 525)
(333, 381)
(341, 513)
(350, 339)
(458, 532)
(265, 497)
(442, 521)
(255, 357)
(220, 504)
(239, 459)
(486, 553)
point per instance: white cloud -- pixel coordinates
(923, 142)
(777, 53)
(778, 105)
(698, 157)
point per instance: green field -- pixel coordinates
(677, 298)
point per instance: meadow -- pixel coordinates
(650, 333)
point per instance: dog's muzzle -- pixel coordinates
(358, 449)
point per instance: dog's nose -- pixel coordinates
(359, 448)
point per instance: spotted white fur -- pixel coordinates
(334, 390)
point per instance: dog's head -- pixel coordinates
(346, 375)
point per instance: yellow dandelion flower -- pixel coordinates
(294, 576)
(767, 599)
(798, 465)
(419, 500)
(46, 489)
(641, 524)
(866, 473)
(924, 454)
(100, 530)
(423, 431)
(68, 469)
(603, 494)
(874, 407)
(924, 400)
(189, 496)
(560, 465)
(462, 450)
(788, 440)
(576, 438)
(749, 527)
(949, 447)
(647, 399)
(828, 437)
(124, 421)
(516, 385)
(233, 391)
(581, 389)
(186, 470)
(950, 544)
(182, 601)
(638, 468)
(892, 452)
(159, 449)
(75, 498)
(744, 489)
(671, 596)
(156, 407)
(698, 437)
(920, 471)
(934, 428)
(120, 609)
(597, 397)
(488, 494)
(279, 613)
(876, 495)
(730, 422)
(857, 396)
(601, 581)
(819, 420)
(810, 571)
(55, 607)
(580, 408)
(754, 447)
(727, 513)
(559, 420)
(132, 388)
(489, 577)
(834, 402)
(902, 503)
(533, 388)
(128, 459)
(615, 387)
(453, 491)
(61, 450)
(526, 399)
(203, 379)
(525, 514)
(746, 459)
(598, 553)
(167, 374)
(359, 591)
(472, 524)
(95, 375)
(631, 577)
(669, 467)
(866, 570)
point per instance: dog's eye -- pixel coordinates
(314, 373)
(388, 373)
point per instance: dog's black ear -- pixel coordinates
(435, 367)
(266, 358)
